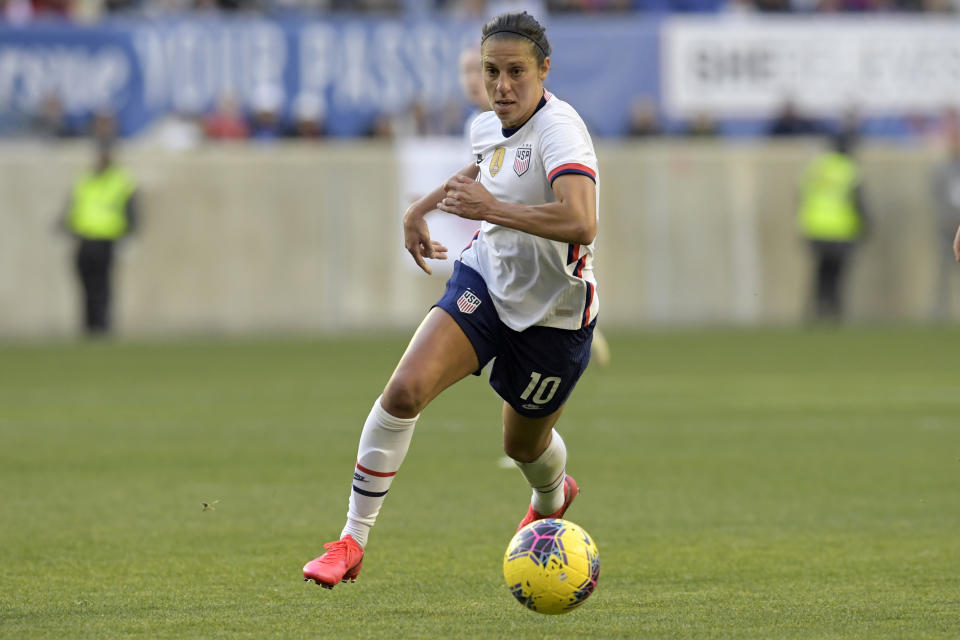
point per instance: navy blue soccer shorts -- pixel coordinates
(535, 369)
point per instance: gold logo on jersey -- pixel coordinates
(496, 160)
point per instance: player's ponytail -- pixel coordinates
(519, 26)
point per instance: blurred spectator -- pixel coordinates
(177, 131)
(465, 10)
(589, 6)
(739, 8)
(772, 6)
(381, 127)
(308, 114)
(421, 119)
(851, 6)
(936, 128)
(702, 126)
(946, 194)
(412, 121)
(101, 211)
(50, 121)
(162, 8)
(644, 120)
(471, 81)
(850, 124)
(265, 122)
(471, 85)
(789, 122)
(226, 121)
(368, 6)
(939, 6)
(122, 6)
(226, 5)
(833, 219)
(52, 9)
(537, 8)
(16, 12)
(380, 6)
(103, 126)
(296, 6)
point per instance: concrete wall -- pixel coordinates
(240, 239)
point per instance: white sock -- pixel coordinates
(383, 445)
(546, 474)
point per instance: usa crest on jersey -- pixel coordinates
(468, 302)
(522, 161)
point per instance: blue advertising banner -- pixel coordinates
(356, 69)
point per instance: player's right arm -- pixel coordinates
(956, 245)
(416, 233)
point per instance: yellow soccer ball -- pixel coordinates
(551, 566)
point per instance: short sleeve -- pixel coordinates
(566, 148)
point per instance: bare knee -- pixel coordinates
(403, 397)
(522, 450)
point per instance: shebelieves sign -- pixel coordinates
(743, 67)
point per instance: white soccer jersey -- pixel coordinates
(532, 280)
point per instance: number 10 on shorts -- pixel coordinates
(544, 387)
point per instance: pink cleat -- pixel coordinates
(570, 491)
(341, 563)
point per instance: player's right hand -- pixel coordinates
(416, 238)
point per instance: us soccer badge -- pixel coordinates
(522, 161)
(468, 302)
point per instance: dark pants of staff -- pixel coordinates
(831, 260)
(94, 264)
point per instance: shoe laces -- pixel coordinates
(337, 550)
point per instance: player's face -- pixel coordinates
(471, 79)
(513, 79)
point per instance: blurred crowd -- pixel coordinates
(267, 115)
(265, 118)
(24, 11)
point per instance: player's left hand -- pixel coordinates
(465, 197)
(416, 239)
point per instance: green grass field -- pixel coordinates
(770, 484)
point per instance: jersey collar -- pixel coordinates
(509, 132)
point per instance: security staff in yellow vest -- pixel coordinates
(102, 210)
(832, 218)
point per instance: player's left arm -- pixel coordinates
(956, 245)
(572, 218)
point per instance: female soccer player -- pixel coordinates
(523, 290)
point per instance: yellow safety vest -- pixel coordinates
(827, 211)
(99, 204)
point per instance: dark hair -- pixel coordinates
(519, 26)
